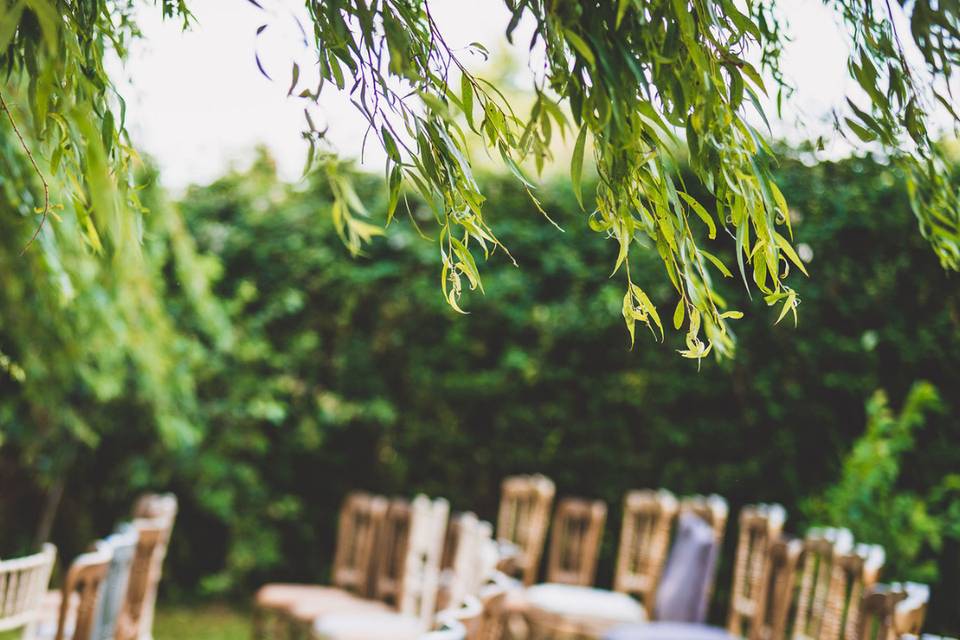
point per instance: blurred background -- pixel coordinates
(251, 366)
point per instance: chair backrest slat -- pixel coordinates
(122, 547)
(391, 551)
(361, 521)
(523, 517)
(575, 541)
(644, 541)
(162, 507)
(23, 582)
(760, 526)
(421, 576)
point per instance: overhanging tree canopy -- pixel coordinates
(648, 81)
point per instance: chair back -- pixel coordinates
(23, 583)
(122, 548)
(875, 620)
(150, 535)
(760, 526)
(909, 614)
(85, 577)
(525, 503)
(814, 617)
(779, 586)
(575, 541)
(421, 574)
(162, 507)
(361, 521)
(644, 540)
(391, 552)
(854, 573)
(470, 565)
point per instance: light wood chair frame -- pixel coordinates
(575, 538)
(523, 518)
(648, 517)
(760, 526)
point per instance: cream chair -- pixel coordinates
(23, 584)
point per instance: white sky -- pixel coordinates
(197, 103)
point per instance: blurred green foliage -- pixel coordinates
(330, 374)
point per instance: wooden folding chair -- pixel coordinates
(760, 527)
(525, 503)
(644, 541)
(23, 584)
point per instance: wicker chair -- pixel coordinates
(150, 537)
(77, 599)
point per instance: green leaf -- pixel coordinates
(576, 164)
(466, 95)
(784, 246)
(701, 212)
(678, 314)
(581, 46)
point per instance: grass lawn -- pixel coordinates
(210, 622)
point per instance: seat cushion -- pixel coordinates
(377, 626)
(667, 631)
(282, 596)
(585, 602)
(309, 608)
(49, 617)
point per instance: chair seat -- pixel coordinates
(283, 596)
(49, 616)
(585, 602)
(309, 608)
(375, 626)
(667, 631)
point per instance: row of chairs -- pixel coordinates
(389, 582)
(823, 587)
(108, 593)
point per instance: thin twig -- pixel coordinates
(46, 187)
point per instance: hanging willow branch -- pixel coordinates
(33, 162)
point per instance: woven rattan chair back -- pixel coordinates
(644, 542)
(522, 520)
(760, 526)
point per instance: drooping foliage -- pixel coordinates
(649, 82)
